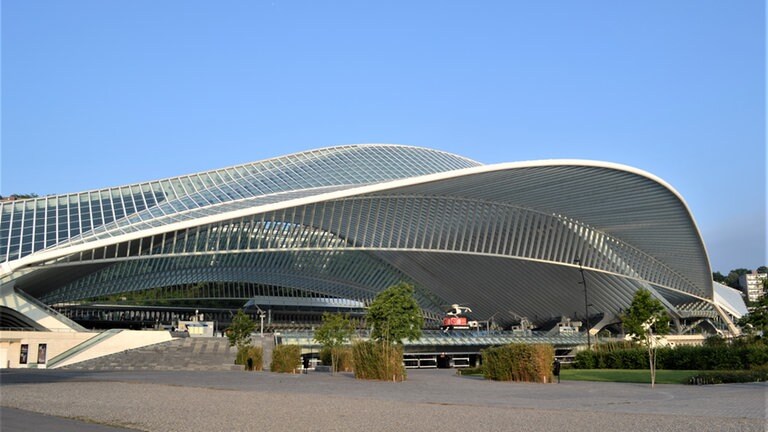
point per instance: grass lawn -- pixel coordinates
(627, 375)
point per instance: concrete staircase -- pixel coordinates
(202, 354)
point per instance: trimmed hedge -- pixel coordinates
(286, 359)
(519, 362)
(724, 377)
(378, 361)
(712, 357)
(471, 371)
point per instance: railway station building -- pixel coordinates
(328, 229)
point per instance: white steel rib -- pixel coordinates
(346, 222)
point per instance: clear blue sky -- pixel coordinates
(103, 93)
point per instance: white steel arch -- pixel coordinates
(408, 210)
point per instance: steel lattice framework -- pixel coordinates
(346, 222)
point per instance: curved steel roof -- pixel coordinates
(347, 221)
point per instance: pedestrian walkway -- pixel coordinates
(216, 400)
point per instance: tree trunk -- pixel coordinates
(651, 357)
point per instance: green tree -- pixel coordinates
(756, 321)
(395, 315)
(15, 196)
(646, 321)
(239, 332)
(335, 331)
(732, 280)
(718, 277)
(762, 269)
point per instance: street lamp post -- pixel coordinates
(262, 314)
(586, 300)
(489, 322)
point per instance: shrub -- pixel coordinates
(756, 355)
(616, 355)
(254, 353)
(286, 359)
(325, 355)
(613, 346)
(724, 377)
(242, 353)
(680, 358)
(713, 356)
(378, 361)
(519, 362)
(725, 358)
(586, 359)
(715, 340)
(636, 358)
(343, 358)
(471, 371)
(749, 340)
(254, 358)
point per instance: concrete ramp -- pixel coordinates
(198, 353)
(43, 317)
(109, 343)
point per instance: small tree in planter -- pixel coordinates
(336, 330)
(394, 315)
(646, 321)
(239, 334)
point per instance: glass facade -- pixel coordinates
(29, 226)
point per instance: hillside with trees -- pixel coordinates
(732, 279)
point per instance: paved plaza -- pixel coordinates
(428, 400)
